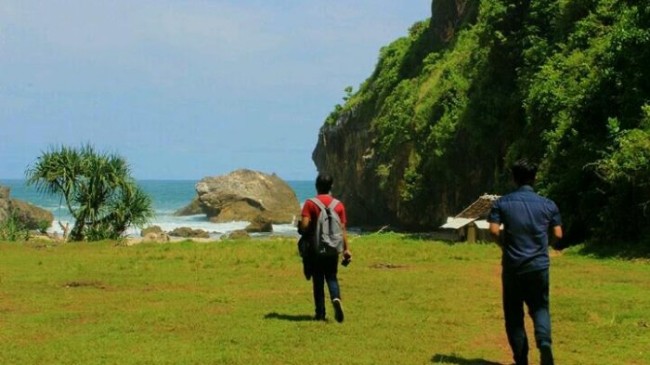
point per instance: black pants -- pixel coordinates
(324, 270)
(532, 289)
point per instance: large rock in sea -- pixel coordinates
(194, 208)
(245, 195)
(259, 224)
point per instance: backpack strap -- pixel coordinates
(333, 204)
(318, 203)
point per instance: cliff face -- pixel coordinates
(343, 150)
(483, 83)
(448, 15)
(347, 144)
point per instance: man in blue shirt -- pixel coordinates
(527, 220)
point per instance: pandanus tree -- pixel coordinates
(97, 188)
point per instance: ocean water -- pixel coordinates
(167, 196)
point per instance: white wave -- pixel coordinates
(169, 223)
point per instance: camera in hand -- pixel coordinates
(346, 261)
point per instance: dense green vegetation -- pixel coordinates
(407, 301)
(564, 82)
(13, 229)
(97, 188)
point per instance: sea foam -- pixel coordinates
(167, 196)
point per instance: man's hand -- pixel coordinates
(495, 230)
(555, 237)
(303, 225)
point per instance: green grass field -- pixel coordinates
(407, 301)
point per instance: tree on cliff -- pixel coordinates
(97, 188)
(483, 83)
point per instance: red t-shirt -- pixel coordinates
(311, 210)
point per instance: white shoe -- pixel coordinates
(338, 310)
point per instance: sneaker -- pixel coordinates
(338, 309)
(546, 355)
(319, 318)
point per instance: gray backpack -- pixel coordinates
(328, 237)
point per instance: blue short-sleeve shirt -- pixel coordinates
(526, 218)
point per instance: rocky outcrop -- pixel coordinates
(29, 215)
(4, 203)
(194, 208)
(187, 232)
(151, 230)
(448, 15)
(245, 195)
(155, 237)
(259, 224)
(239, 234)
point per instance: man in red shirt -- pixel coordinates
(324, 268)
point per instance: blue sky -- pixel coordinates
(185, 89)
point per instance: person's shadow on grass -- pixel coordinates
(289, 317)
(453, 359)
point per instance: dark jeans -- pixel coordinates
(324, 269)
(532, 289)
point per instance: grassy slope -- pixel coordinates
(407, 301)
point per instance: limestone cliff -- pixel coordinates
(448, 15)
(483, 83)
(371, 182)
